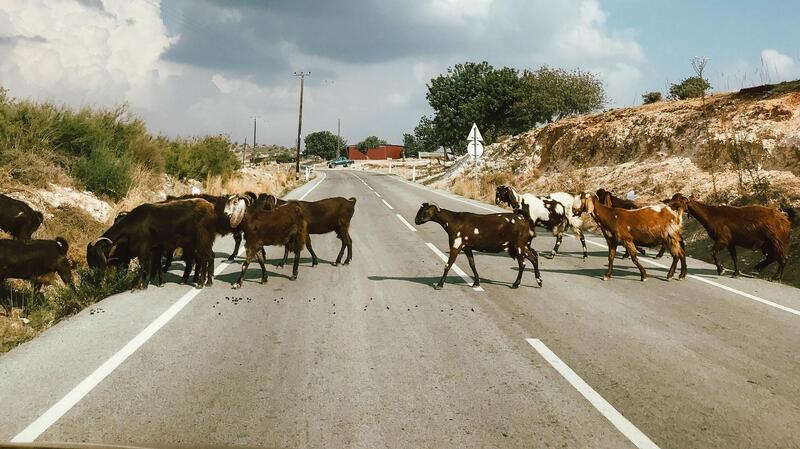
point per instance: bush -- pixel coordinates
(200, 158)
(105, 172)
(651, 97)
(692, 87)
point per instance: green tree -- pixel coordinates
(323, 144)
(651, 97)
(548, 94)
(471, 93)
(370, 142)
(692, 87)
(423, 139)
(200, 158)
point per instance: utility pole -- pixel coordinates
(255, 118)
(244, 151)
(338, 135)
(302, 76)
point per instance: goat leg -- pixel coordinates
(583, 244)
(349, 249)
(341, 250)
(245, 264)
(285, 257)
(661, 251)
(533, 256)
(714, 250)
(521, 269)
(471, 260)
(559, 237)
(237, 240)
(296, 263)
(635, 259)
(450, 261)
(209, 260)
(732, 251)
(261, 258)
(66, 276)
(612, 253)
(314, 260)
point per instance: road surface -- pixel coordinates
(369, 355)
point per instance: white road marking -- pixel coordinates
(715, 284)
(408, 225)
(387, 204)
(455, 267)
(314, 186)
(60, 408)
(622, 424)
(376, 193)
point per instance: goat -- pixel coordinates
(323, 216)
(152, 229)
(492, 233)
(223, 224)
(30, 259)
(18, 219)
(619, 203)
(647, 226)
(549, 212)
(285, 225)
(754, 227)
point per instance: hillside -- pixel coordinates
(732, 148)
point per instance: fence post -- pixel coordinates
(414, 172)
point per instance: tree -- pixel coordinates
(692, 87)
(323, 144)
(471, 93)
(370, 142)
(651, 97)
(547, 94)
(423, 139)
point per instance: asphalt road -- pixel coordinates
(369, 355)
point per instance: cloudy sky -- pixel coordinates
(193, 67)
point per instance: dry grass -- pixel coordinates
(481, 187)
(275, 179)
(13, 330)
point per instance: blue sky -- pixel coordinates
(195, 67)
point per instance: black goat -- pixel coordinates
(31, 259)
(492, 233)
(285, 226)
(323, 216)
(18, 219)
(223, 223)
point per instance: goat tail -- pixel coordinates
(63, 244)
(352, 199)
(792, 214)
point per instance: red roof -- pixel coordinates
(379, 153)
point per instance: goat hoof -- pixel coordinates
(336, 264)
(605, 278)
(294, 277)
(645, 279)
(236, 286)
(437, 287)
(539, 281)
(476, 284)
(263, 281)
(346, 262)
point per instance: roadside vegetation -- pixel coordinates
(107, 157)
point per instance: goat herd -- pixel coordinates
(152, 232)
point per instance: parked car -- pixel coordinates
(341, 160)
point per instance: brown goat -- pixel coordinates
(285, 225)
(492, 233)
(754, 227)
(323, 216)
(647, 226)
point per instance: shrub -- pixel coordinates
(200, 158)
(105, 172)
(692, 87)
(651, 97)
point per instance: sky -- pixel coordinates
(197, 67)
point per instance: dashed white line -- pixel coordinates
(715, 284)
(455, 267)
(387, 204)
(631, 432)
(408, 225)
(376, 194)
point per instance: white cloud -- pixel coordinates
(778, 66)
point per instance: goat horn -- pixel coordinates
(101, 238)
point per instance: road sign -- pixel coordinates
(475, 145)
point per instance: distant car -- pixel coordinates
(343, 161)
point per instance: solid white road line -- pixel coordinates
(376, 194)
(387, 204)
(408, 225)
(60, 408)
(715, 284)
(455, 267)
(622, 424)
(314, 186)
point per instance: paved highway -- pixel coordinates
(369, 355)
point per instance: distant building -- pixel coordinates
(382, 152)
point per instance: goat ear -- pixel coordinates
(589, 205)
